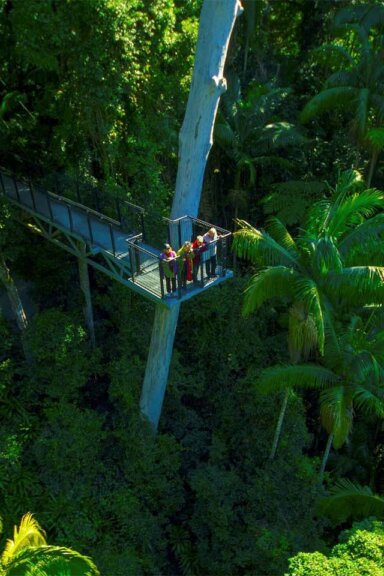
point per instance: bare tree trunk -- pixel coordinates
(372, 166)
(325, 457)
(195, 141)
(85, 287)
(279, 424)
(16, 304)
(13, 295)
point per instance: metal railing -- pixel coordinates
(145, 266)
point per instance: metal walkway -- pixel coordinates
(120, 253)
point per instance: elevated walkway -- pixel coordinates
(118, 247)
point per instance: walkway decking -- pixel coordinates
(118, 253)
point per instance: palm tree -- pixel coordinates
(357, 84)
(28, 554)
(321, 269)
(350, 377)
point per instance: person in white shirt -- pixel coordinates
(210, 239)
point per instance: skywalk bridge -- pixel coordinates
(118, 246)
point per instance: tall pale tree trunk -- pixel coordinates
(325, 456)
(372, 166)
(16, 303)
(13, 295)
(85, 288)
(195, 141)
(279, 424)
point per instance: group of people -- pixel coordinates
(188, 258)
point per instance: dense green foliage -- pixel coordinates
(360, 552)
(97, 90)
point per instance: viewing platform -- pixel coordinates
(119, 246)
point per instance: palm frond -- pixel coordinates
(29, 533)
(369, 231)
(341, 78)
(328, 100)
(224, 135)
(50, 561)
(281, 135)
(307, 292)
(358, 285)
(350, 500)
(308, 375)
(317, 217)
(325, 256)
(336, 411)
(258, 247)
(303, 338)
(278, 232)
(365, 15)
(376, 138)
(368, 401)
(332, 54)
(353, 210)
(272, 282)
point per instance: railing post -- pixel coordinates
(224, 255)
(179, 232)
(32, 194)
(161, 279)
(70, 218)
(178, 276)
(131, 260)
(17, 189)
(90, 227)
(112, 239)
(50, 207)
(143, 226)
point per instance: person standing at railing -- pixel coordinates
(168, 268)
(185, 254)
(198, 248)
(210, 239)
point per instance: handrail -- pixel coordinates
(138, 247)
(100, 215)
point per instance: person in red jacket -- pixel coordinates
(198, 247)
